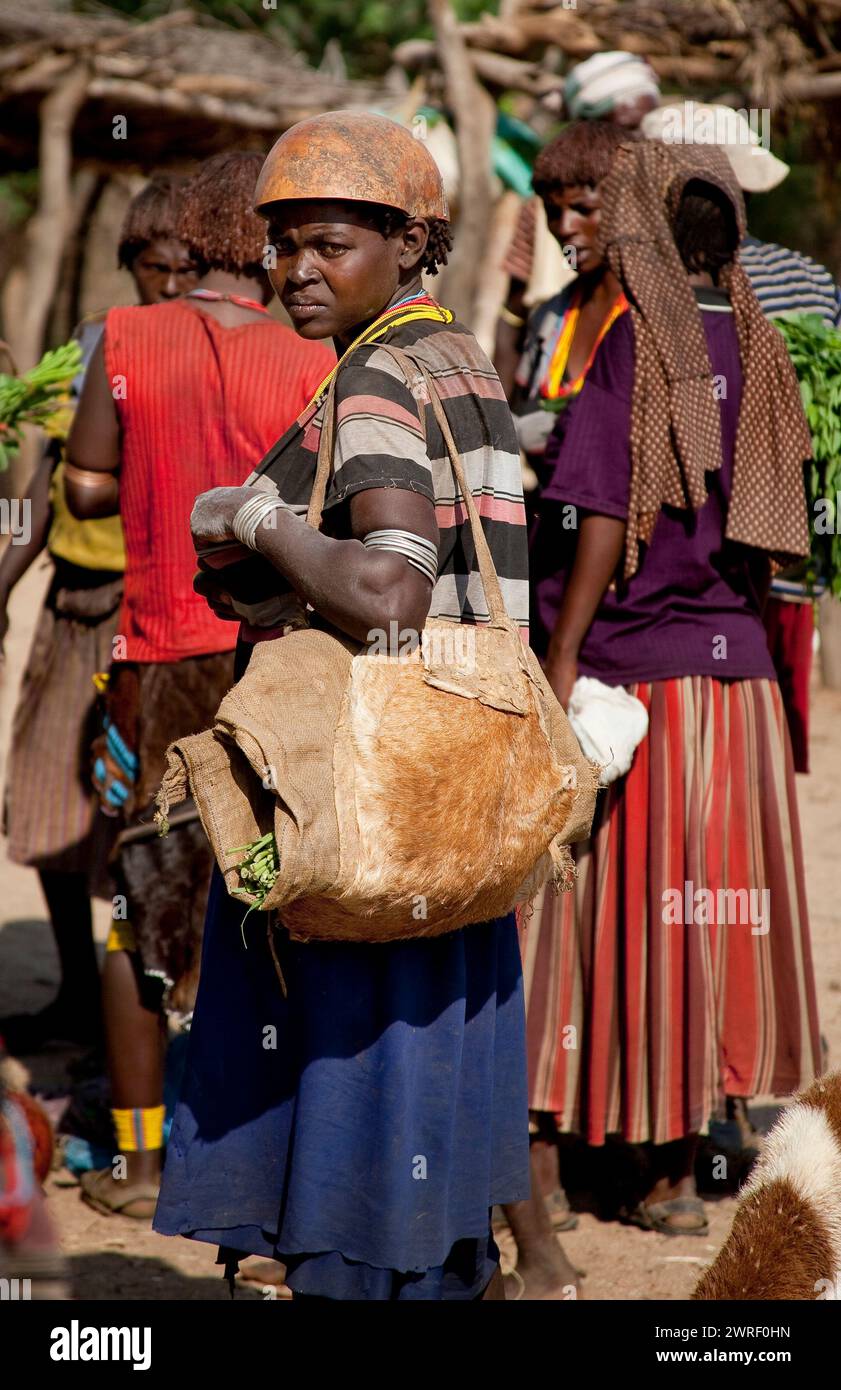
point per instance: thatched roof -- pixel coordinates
(776, 53)
(187, 85)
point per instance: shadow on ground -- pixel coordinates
(29, 974)
(28, 965)
(108, 1276)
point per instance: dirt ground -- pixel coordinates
(112, 1258)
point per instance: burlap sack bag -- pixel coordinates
(409, 793)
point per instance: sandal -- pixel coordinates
(560, 1214)
(658, 1216)
(110, 1198)
(265, 1274)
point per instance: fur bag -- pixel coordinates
(410, 794)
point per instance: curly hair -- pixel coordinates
(704, 229)
(151, 216)
(438, 246)
(217, 222)
(581, 155)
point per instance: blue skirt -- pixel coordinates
(361, 1128)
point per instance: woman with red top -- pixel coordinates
(179, 398)
(51, 815)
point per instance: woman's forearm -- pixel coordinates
(90, 494)
(355, 589)
(600, 546)
(36, 518)
(93, 447)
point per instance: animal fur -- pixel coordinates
(410, 796)
(786, 1237)
(407, 829)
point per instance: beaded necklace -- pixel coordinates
(409, 310)
(553, 386)
(229, 298)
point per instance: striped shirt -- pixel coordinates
(787, 282)
(380, 443)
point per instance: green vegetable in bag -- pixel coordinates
(259, 869)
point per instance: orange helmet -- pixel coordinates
(353, 157)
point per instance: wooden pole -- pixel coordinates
(51, 223)
(493, 286)
(87, 186)
(30, 288)
(475, 121)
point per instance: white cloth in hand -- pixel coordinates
(608, 723)
(534, 429)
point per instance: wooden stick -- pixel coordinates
(811, 86)
(272, 948)
(497, 69)
(475, 122)
(48, 229)
(191, 103)
(493, 282)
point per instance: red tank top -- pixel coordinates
(199, 405)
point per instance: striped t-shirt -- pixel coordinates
(380, 443)
(787, 282)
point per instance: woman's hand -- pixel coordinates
(211, 587)
(598, 555)
(562, 672)
(4, 623)
(211, 519)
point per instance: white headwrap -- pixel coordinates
(596, 87)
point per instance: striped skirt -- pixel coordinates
(51, 814)
(678, 970)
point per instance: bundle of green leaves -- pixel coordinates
(39, 397)
(257, 871)
(815, 350)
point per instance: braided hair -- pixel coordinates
(582, 155)
(705, 229)
(151, 216)
(217, 222)
(439, 243)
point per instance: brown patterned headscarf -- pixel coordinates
(675, 422)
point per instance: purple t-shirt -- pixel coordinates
(692, 606)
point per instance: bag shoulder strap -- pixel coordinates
(410, 367)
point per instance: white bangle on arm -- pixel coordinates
(416, 549)
(252, 513)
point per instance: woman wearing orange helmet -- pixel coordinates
(379, 1109)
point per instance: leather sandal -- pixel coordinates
(657, 1216)
(110, 1198)
(560, 1214)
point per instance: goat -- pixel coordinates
(785, 1242)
